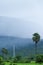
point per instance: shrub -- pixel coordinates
(1, 60)
(14, 64)
(10, 63)
(16, 59)
(25, 60)
(39, 58)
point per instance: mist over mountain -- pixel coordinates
(10, 40)
(16, 36)
(11, 26)
(20, 46)
(13, 43)
(19, 20)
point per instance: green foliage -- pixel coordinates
(5, 51)
(27, 61)
(36, 37)
(39, 58)
(17, 59)
(1, 61)
(24, 60)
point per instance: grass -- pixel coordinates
(32, 63)
(28, 64)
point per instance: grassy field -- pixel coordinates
(32, 63)
(28, 64)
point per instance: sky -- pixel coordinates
(28, 15)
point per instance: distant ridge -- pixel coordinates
(21, 45)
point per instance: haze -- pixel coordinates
(21, 18)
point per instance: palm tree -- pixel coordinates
(36, 39)
(4, 51)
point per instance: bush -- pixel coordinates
(10, 64)
(25, 60)
(1, 60)
(39, 58)
(14, 64)
(16, 59)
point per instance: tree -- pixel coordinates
(36, 39)
(5, 52)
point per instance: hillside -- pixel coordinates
(20, 46)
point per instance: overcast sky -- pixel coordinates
(30, 12)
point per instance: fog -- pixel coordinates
(21, 18)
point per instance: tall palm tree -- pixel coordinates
(4, 51)
(36, 39)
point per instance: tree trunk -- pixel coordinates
(35, 50)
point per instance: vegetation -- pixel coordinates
(1, 60)
(19, 60)
(5, 53)
(36, 39)
(39, 58)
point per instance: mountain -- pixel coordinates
(9, 40)
(20, 46)
(29, 49)
(13, 43)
